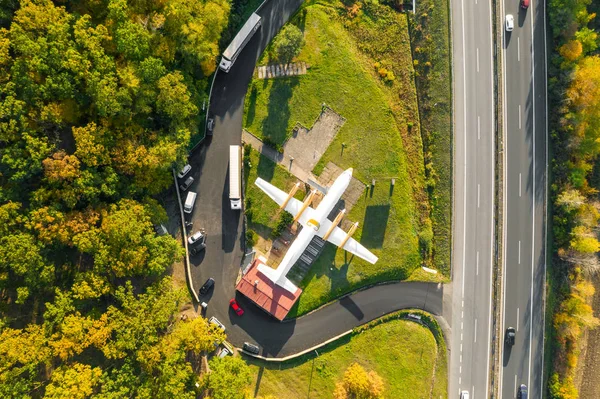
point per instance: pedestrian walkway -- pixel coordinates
(281, 70)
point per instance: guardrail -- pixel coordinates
(186, 259)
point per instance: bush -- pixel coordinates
(285, 219)
(288, 43)
(251, 238)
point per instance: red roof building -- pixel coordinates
(267, 295)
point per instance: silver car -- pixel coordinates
(186, 169)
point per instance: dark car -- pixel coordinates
(236, 308)
(522, 392)
(248, 347)
(197, 249)
(186, 184)
(524, 4)
(207, 286)
(509, 338)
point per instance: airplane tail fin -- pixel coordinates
(275, 277)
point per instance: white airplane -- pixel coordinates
(315, 222)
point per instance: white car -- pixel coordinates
(510, 23)
(196, 237)
(186, 169)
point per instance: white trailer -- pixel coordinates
(239, 42)
(235, 176)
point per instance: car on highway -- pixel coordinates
(510, 335)
(186, 169)
(525, 4)
(213, 320)
(207, 286)
(236, 308)
(248, 347)
(510, 23)
(186, 184)
(522, 392)
(197, 237)
(464, 395)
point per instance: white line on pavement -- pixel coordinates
(515, 385)
(532, 205)
(519, 184)
(462, 7)
(475, 331)
(519, 252)
(477, 59)
(478, 194)
(477, 265)
(518, 49)
(519, 116)
(517, 319)
(478, 128)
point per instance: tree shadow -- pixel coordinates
(374, 225)
(251, 112)
(275, 125)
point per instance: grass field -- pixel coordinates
(431, 48)
(403, 353)
(343, 78)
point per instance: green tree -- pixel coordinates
(288, 43)
(74, 381)
(229, 378)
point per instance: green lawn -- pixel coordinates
(341, 76)
(403, 353)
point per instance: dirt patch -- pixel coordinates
(588, 369)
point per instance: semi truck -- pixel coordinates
(235, 176)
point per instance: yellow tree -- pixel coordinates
(359, 384)
(76, 381)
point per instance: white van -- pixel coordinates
(188, 207)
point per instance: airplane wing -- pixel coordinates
(293, 206)
(281, 281)
(354, 247)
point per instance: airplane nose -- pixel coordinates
(350, 170)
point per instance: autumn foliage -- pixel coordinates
(574, 90)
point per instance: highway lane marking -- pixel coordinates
(519, 116)
(532, 206)
(515, 385)
(477, 59)
(519, 184)
(473, 391)
(517, 319)
(477, 265)
(478, 195)
(464, 249)
(478, 128)
(518, 48)
(519, 252)
(475, 330)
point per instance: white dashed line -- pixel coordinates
(520, 184)
(475, 330)
(519, 252)
(477, 265)
(518, 49)
(519, 116)
(478, 128)
(517, 319)
(477, 59)
(478, 194)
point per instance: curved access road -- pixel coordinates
(223, 255)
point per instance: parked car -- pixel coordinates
(186, 184)
(197, 237)
(510, 23)
(522, 392)
(216, 322)
(186, 169)
(464, 395)
(207, 286)
(210, 125)
(248, 347)
(160, 229)
(509, 338)
(197, 249)
(236, 308)
(224, 352)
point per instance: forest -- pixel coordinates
(574, 90)
(98, 101)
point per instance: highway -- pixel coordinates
(223, 256)
(525, 136)
(473, 234)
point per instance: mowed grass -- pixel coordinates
(341, 78)
(403, 353)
